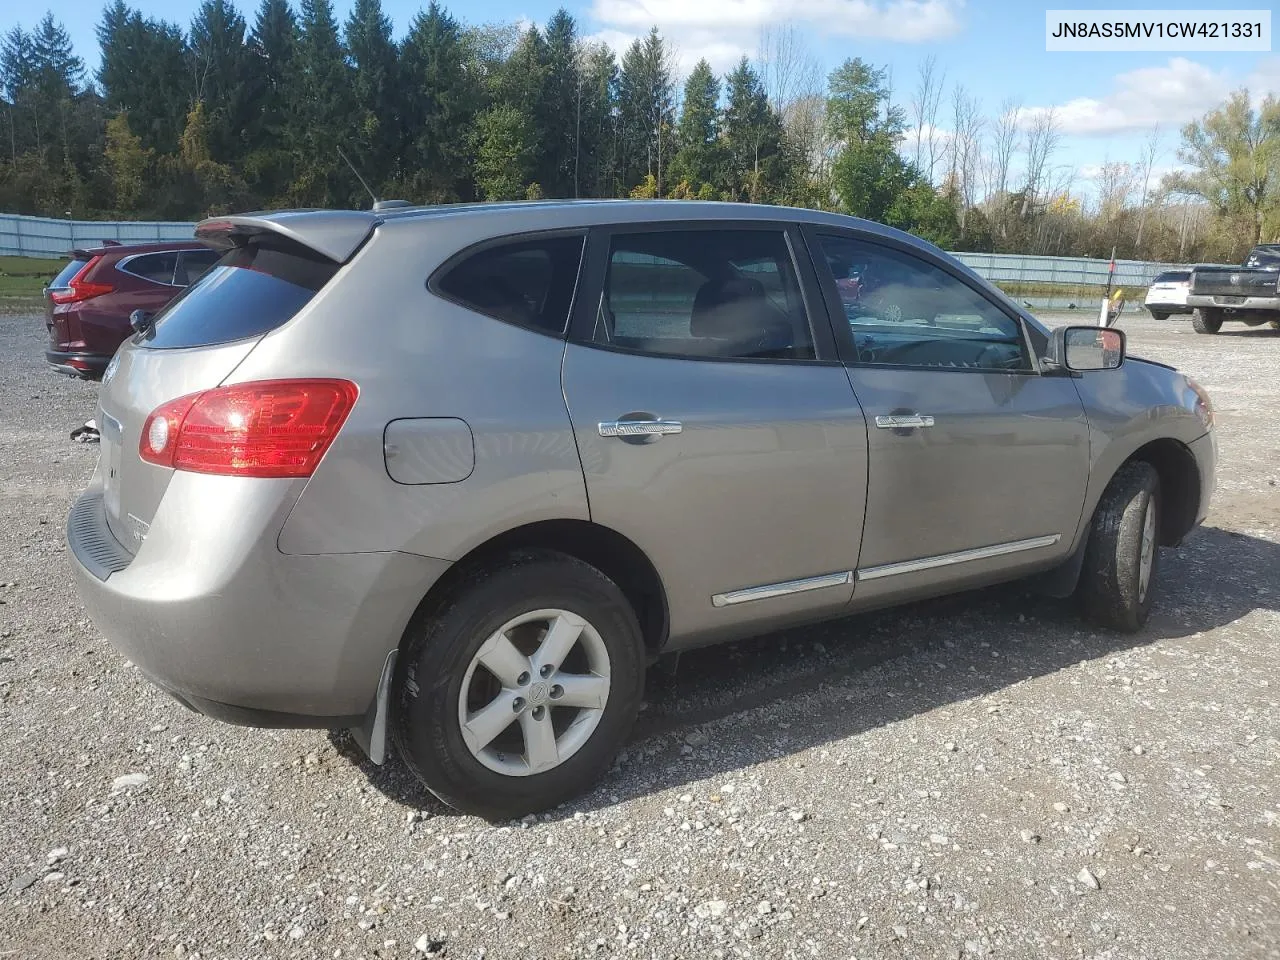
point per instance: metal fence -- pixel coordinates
(48, 237)
(52, 238)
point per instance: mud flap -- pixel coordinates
(371, 735)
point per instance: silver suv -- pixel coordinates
(452, 477)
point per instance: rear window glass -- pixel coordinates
(1173, 276)
(63, 279)
(248, 292)
(529, 283)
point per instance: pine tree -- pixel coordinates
(144, 71)
(268, 165)
(646, 102)
(319, 91)
(441, 98)
(598, 123)
(697, 160)
(221, 64)
(377, 121)
(505, 154)
(559, 109)
(752, 133)
(59, 73)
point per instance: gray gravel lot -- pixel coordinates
(976, 776)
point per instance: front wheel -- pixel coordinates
(516, 694)
(1206, 321)
(1118, 577)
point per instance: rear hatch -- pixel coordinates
(59, 291)
(261, 281)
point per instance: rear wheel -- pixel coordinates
(1206, 321)
(517, 693)
(1118, 577)
(1159, 315)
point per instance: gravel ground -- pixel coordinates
(970, 777)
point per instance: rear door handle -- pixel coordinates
(640, 428)
(903, 421)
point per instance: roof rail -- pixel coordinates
(391, 204)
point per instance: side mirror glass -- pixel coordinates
(1087, 348)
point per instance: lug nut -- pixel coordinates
(517, 704)
(547, 670)
(523, 679)
(539, 712)
(557, 692)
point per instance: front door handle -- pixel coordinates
(640, 428)
(903, 421)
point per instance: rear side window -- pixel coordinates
(61, 281)
(529, 283)
(251, 290)
(192, 264)
(156, 267)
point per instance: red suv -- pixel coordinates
(88, 304)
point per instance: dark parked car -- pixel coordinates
(87, 305)
(1249, 293)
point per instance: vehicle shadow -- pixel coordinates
(1263, 331)
(894, 663)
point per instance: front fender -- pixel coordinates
(1129, 408)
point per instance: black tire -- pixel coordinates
(1110, 592)
(440, 646)
(1206, 321)
(1159, 315)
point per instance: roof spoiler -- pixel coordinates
(335, 234)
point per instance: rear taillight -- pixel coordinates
(266, 428)
(78, 288)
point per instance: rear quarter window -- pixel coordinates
(250, 291)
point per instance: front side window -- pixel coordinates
(729, 294)
(156, 267)
(529, 283)
(904, 311)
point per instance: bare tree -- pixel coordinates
(1150, 152)
(1042, 139)
(788, 69)
(966, 147)
(924, 115)
(1004, 141)
(1115, 183)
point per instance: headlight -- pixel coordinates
(1204, 406)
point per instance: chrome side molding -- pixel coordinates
(962, 556)
(787, 587)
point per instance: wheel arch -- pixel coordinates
(613, 554)
(1180, 490)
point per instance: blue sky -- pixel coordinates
(1106, 102)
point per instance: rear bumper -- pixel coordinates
(211, 612)
(1223, 302)
(87, 365)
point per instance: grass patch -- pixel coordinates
(23, 278)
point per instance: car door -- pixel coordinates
(978, 463)
(717, 428)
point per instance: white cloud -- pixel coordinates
(1169, 95)
(724, 30)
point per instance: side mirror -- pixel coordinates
(140, 320)
(1076, 349)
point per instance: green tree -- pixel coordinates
(320, 93)
(441, 99)
(597, 109)
(559, 109)
(268, 165)
(376, 121)
(1234, 153)
(698, 157)
(129, 162)
(868, 174)
(220, 62)
(755, 165)
(505, 152)
(144, 71)
(646, 102)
